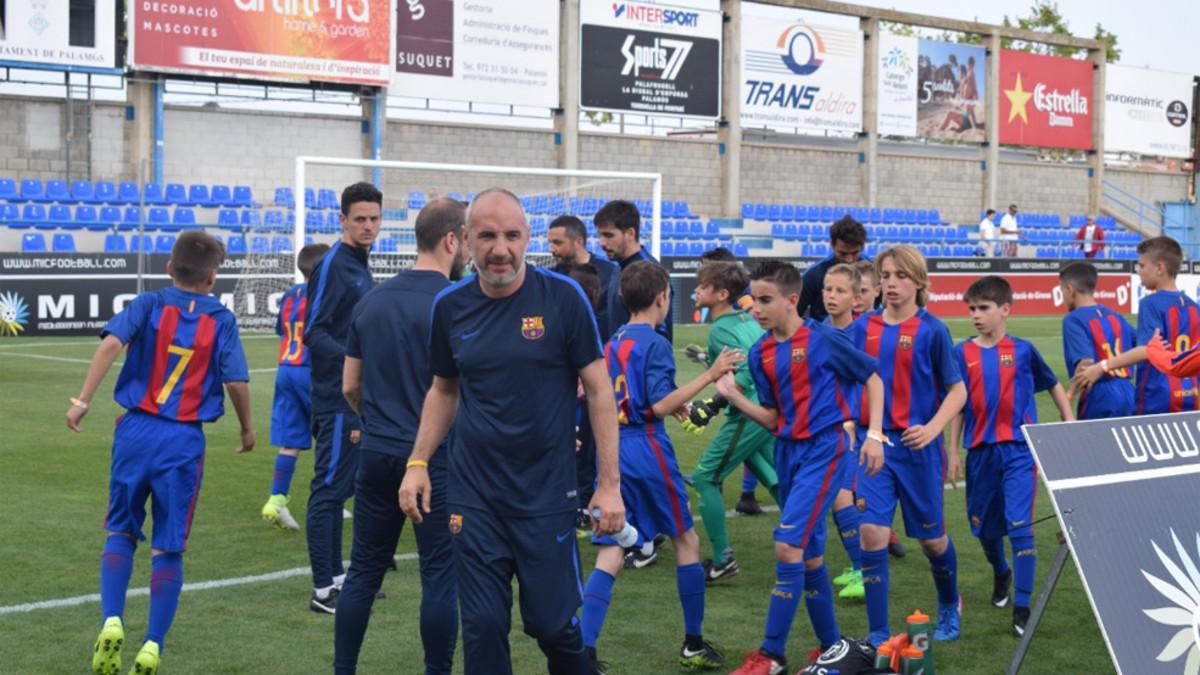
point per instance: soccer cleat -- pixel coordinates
(636, 559)
(845, 577)
(325, 605)
(895, 548)
(748, 505)
(714, 572)
(146, 662)
(1020, 618)
(275, 512)
(758, 663)
(855, 589)
(1000, 585)
(949, 623)
(707, 657)
(106, 659)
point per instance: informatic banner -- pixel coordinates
(484, 51)
(897, 85)
(651, 57)
(953, 85)
(329, 40)
(800, 75)
(72, 35)
(1124, 492)
(1147, 111)
(1045, 101)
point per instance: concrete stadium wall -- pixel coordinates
(953, 186)
(772, 173)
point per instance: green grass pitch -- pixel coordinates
(53, 493)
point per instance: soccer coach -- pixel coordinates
(507, 348)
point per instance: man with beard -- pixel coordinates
(507, 348)
(568, 245)
(619, 225)
(385, 380)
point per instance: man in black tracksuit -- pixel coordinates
(340, 279)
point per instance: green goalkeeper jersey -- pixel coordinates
(735, 330)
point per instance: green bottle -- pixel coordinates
(918, 636)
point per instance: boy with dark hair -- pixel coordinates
(1171, 314)
(1003, 374)
(180, 345)
(848, 238)
(796, 366)
(1093, 333)
(291, 407)
(619, 226)
(642, 365)
(739, 441)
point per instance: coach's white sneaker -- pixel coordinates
(275, 511)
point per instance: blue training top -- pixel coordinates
(339, 281)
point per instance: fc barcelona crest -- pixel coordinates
(1006, 360)
(455, 523)
(905, 342)
(532, 327)
(798, 354)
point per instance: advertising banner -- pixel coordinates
(952, 104)
(897, 85)
(1045, 101)
(1033, 294)
(651, 57)
(329, 40)
(800, 75)
(73, 35)
(1147, 111)
(483, 51)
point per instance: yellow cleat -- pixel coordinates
(275, 511)
(146, 662)
(106, 659)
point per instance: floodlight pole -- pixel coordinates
(1039, 606)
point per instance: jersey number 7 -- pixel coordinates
(185, 356)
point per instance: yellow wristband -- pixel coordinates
(78, 403)
(417, 462)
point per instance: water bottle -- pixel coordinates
(918, 635)
(628, 535)
(912, 661)
(883, 656)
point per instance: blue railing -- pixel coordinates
(1139, 211)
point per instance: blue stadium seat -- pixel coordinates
(416, 200)
(106, 193)
(327, 199)
(668, 249)
(695, 229)
(242, 195)
(791, 232)
(164, 243)
(682, 209)
(284, 245)
(236, 244)
(198, 195)
(787, 213)
(115, 243)
(32, 191)
(128, 193)
(775, 212)
(285, 198)
(57, 191)
(747, 210)
(8, 189)
(176, 194)
(142, 244)
(875, 216)
(761, 211)
(777, 230)
(668, 228)
(152, 193)
(935, 217)
(260, 245)
(84, 192)
(273, 220)
(86, 216)
(221, 196)
(252, 219)
(333, 221)
(228, 219)
(110, 215)
(384, 245)
(741, 250)
(63, 243)
(59, 215)
(695, 249)
(33, 242)
(158, 216)
(310, 198)
(11, 214)
(712, 228)
(133, 214)
(184, 216)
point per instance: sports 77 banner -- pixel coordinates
(1125, 492)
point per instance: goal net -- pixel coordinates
(269, 265)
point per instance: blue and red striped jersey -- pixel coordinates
(289, 326)
(641, 364)
(794, 376)
(1098, 333)
(1001, 383)
(1177, 319)
(916, 364)
(181, 348)
(851, 392)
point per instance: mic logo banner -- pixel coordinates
(1046, 101)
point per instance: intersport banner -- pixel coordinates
(1147, 111)
(484, 51)
(329, 40)
(1045, 101)
(800, 75)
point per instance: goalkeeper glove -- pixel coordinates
(703, 412)
(697, 354)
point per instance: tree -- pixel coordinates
(1044, 17)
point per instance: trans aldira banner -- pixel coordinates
(800, 75)
(657, 58)
(73, 35)
(328, 40)
(1045, 101)
(483, 51)
(1147, 111)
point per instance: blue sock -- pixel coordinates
(690, 579)
(166, 580)
(285, 466)
(847, 522)
(781, 611)
(818, 599)
(945, 574)
(993, 550)
(875, 583)
(597, 595)
(116, 566)
(1024, 569)
(749, 480)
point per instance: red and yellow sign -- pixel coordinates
(329, 40)
(1045, 101)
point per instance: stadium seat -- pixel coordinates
(11, 214)
(84, 192)
(327, 199)
(668, 228)
(115, 243)
(142, 244)
(63, 243)
(8, 189)
(164, 243)
(683, 209)
(59, 215)
(761, 211)
(236, 244)
(198, 196)
(184, 216)
(935, 217)
(32, 191)
(133, 217)
(110, 215)
(260, 245)
(106, 193)
(227, 219)
(177, 194)
(252, 219)
(813, 214)
(243, 195)
(128, 193)
(310, 198)
(273, 220)
(152, 194)
(33, 242)
(747, 210)
(416, 200)
(285, 198)
(741, 250)
(775, 212)
(333, 221)
(221, 196)
(86, 215)
(158, 216)
(57, 191)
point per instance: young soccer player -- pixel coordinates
(1091, 334)
(1003, 374)
(1167, 311)
(291, 409)
(180, 346)
(798, 369)
(719, 286)
(641, 363)
(843, 288)
(868, 289)
(924, 392)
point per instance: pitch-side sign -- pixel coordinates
(1124, 490)
(1045, 101)
(800, 75)
(1147, 111)
(485, 51)
(330, 40)
(651, 57)
(931, 89)
(71, 35)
